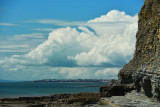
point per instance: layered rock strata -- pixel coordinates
(143, 71)
(147, 41)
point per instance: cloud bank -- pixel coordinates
(106, 41)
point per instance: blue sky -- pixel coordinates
(66, 38)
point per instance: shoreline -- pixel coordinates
(85, 99)
(30, 96)
(64, 100)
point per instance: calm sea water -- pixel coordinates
(19, 89)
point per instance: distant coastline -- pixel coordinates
(63, 80)
(73, 80)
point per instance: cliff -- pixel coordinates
(142, 73)
(147, 41)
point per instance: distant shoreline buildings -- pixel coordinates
(72, 80)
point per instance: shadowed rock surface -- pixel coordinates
(115, 90)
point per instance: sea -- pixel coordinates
(32, 89)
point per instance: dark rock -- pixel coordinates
(112, 82)
(85, 98)
(147, 87)
(115, 90)
(59, 100)
(147, 82)
(36, 105)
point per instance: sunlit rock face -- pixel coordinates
(144, 69)
(147, 41)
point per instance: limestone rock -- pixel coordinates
(144, 69)
(147, 41)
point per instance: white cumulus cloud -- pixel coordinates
(108, 40)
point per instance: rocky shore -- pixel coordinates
(132, 99)
(59, 100)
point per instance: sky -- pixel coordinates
(66, 39)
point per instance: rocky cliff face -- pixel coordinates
(148, 41)
(144, 69)
(142, 73)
